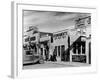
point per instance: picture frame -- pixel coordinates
(17, 70)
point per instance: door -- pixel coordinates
(62, 52)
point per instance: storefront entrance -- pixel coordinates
(45, 50)
(59, 52)
(79, 52)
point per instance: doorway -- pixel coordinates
(62, 52)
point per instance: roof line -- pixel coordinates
(60, 31)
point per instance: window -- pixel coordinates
(79, 47)
(28, 52)
(62, 49)
(27, 39)
(55, 50)
(83, 47)
(32, 38)
(74, 48)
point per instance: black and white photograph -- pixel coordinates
(54, 39)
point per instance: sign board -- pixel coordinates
(83, 22)
(46, 38)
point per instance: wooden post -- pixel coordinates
(87, 52)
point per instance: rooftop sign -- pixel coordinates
(83, 22)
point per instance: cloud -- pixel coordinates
(49, 21)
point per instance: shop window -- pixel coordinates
(62, 49)
(33, 38)
(55, 50)
(83, 47)
(74, 48)
(79, 47)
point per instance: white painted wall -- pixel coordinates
(61, 41)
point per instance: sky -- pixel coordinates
(50, 21)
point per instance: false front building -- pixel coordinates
(72, 45)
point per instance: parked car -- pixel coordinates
(32, 57)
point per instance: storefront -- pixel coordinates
(60, 43)
(81, 48)
(44, 42)
(30, 46)
(81, 51)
